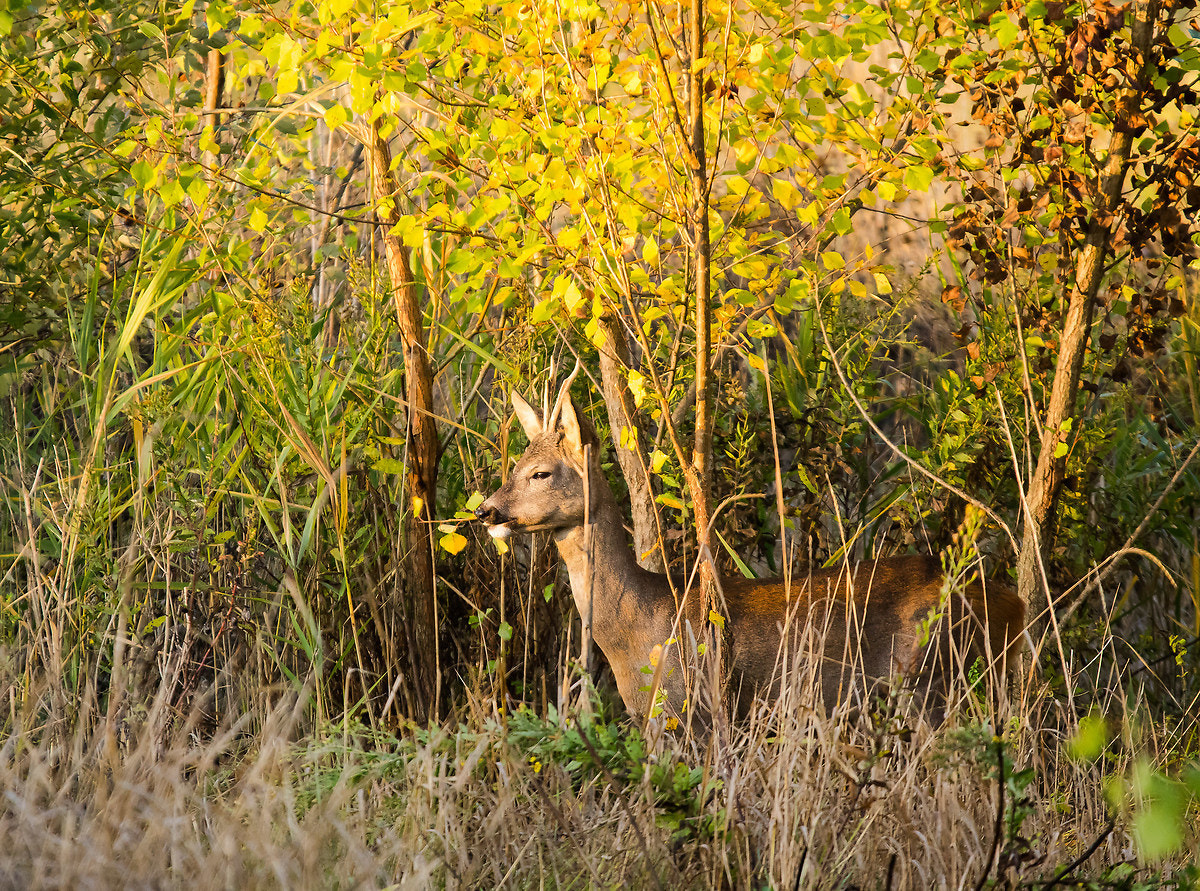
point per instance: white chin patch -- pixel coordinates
(499, 531)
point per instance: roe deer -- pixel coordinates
(888, 616)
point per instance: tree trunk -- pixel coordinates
(615, 361)
(418, 619)
(1046, 484)
(700, 473)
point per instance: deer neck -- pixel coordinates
(622, 601)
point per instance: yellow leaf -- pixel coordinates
(595, 333)
(882, 284)
(335, 116)
(417, 504)
(637, 386)
(670, 501)
(501, 545)
(572, 296)
(833, 260)
(716, 618)
(786, 194)
(454, 542)
(746, 151)
(258, 219)
(754, 56)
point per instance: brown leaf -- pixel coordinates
(953, 295)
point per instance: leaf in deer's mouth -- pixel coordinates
(499, 531)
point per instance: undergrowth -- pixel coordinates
(519, 800)
(204, 636)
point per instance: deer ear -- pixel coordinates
(530, 422)
(573, 437)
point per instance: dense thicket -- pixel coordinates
(854, 280)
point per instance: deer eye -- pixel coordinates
(542, 475)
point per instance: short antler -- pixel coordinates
(563, 395)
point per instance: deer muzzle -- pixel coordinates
(497, 521)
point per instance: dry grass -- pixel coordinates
(789, 799)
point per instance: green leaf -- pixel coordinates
(171, 193)
(143, 173)
(918, 179)
(153, 296)
(1005, 29)
(832, 260)
(806, 479)
(1089, 742)
(335, 116)
(542, 311)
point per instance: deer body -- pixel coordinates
(849, 627)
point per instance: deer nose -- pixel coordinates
(487, 513)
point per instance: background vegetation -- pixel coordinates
(846, 279)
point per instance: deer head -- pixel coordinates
(545, 491)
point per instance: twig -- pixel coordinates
(896, 450)
(1082, 858)
(999, 824)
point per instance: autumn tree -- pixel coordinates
(1076, 215)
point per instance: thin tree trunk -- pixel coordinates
(1046, 484)
(615, 361)
(700, 476)
(214, 84)
(419, 619)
